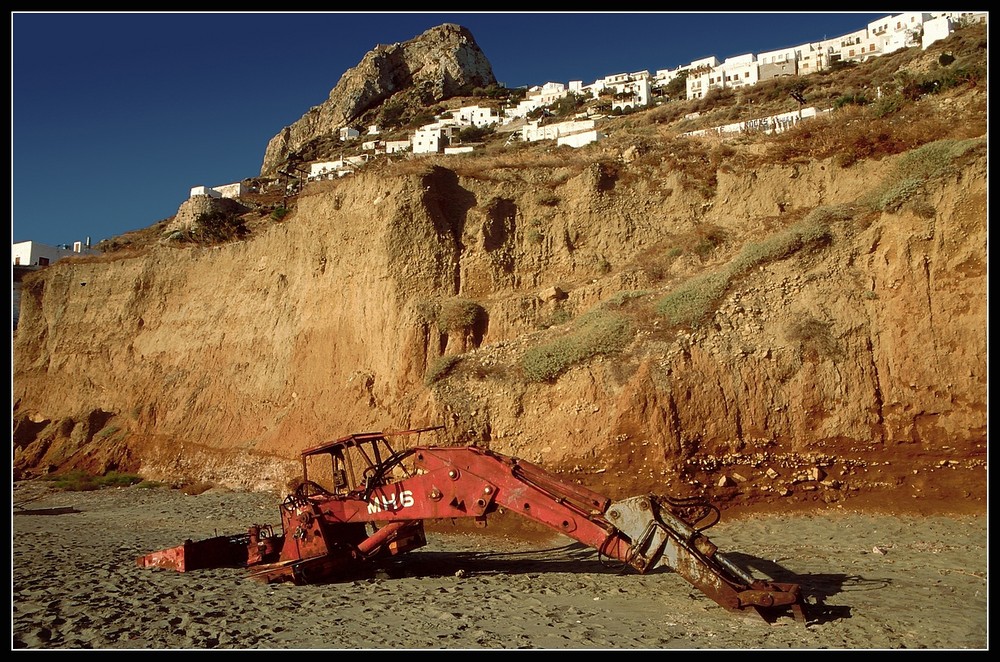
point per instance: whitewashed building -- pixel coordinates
(776, 64)
(856, 46)
(234, 190)
(36, 254)
(580, 138)
(432, 138)
(630, 91)
(476, 116)
(935, 29)
(347, 132)
(738, 71)
(700, 77)
(396, 146)
(537, 97)
(812, 57)
(338, 168)
(662, 77)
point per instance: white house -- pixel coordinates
(856, 46)
(35, 254)
(431, 138)
(234, 190)
(346, 133)
(523, 107)
(812, 57)
(338, 168)
(737, 72)
(394, 146)
(935, 29)
(774, 64)
(324, 169)
(476, 116)
(700, 77)
(549, 92)
(581, 138)
(664, 76)
(204, 190)
(959, 18)
(631, 91)
(537, 97)
(892, 33)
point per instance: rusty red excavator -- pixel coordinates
(380, 498)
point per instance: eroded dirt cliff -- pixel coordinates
(839, 357)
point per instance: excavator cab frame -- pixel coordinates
(358, 462)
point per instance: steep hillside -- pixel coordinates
(441, 63)
(776, 320)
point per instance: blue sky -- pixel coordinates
(116, 116)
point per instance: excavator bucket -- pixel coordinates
(661, 537)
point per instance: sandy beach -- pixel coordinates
(870, 581)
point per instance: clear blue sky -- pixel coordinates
(116, 116)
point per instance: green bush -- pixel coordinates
(460, 315)
(558, 316)
(619, 299)
(440, 367)
(814, 337)
(887, 105)
(915, 169)
(106, 432)
(595, 333)
(693, 300)
(474, 134)
(850, 100)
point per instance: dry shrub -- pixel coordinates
(596, 333)
(421, 167)
(691, 159)
(853, 133)
(657, 260)
(814, 338)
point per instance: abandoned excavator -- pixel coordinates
(379, 499)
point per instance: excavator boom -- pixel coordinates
(380, 498)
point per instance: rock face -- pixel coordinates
(443, 62)
(222, 363)
(193, 211)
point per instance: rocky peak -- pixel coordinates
(443, 62)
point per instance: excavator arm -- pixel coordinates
(380, 512)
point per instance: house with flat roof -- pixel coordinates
(37, 254)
